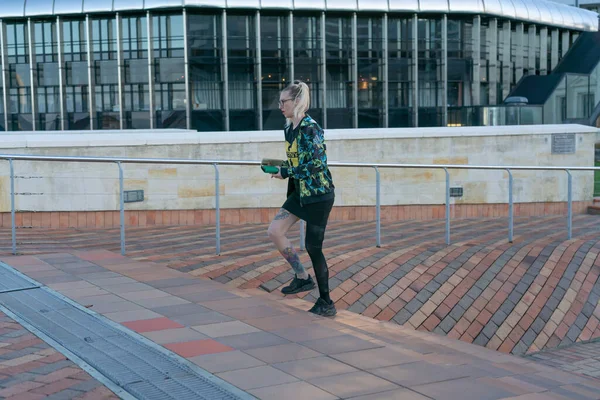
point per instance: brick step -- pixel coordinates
(594, 210)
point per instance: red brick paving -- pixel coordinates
(354, 352)
(31, 369)
(479, 289)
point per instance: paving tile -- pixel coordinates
(102, 299)
(180, 280)
(256, 377)
(457, 388)
(193, 320)
(229, 361)
(375, 358)
(174, 335)
(123, 316)
(231, 304)
(126, 289)
(161, 302)
(112, 307)
(226, 329)
(197, 347)
(209, 296)
(282, 321)
(77, 293)
(316, 367)
(312, 331)
(252, 340)
(180, 309)
(195, 288)
(339, 344)
(398, 394)
(353, 384)
(153, 324)
(143, 294)
(292, 391)
(282, 353)
(418, 373)
(108, 281)
(254, 312)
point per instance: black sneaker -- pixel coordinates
(299, 285)
(323, 308)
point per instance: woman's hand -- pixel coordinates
(278, 174)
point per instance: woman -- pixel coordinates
(310, 195)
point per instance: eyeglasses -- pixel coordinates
(282, 102)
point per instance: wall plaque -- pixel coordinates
(563, 143)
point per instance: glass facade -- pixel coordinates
(365, 69)
(19, 87)
(76, 82)
(242, 60)
(169, 71)
(136, 89)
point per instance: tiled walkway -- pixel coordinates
(539, 292)
(31, 369)
(273, 349)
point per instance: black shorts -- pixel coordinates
(313, 213)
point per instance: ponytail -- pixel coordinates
(300, 92)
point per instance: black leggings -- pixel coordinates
(316, 216)
(314, 247)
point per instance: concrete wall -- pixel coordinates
(53, 186)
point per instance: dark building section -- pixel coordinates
(571, 93)
(212, 65)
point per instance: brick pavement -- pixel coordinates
(30, 369)
(272, 348)
(539, 292)
(580, 359)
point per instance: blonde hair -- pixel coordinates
(300, 93)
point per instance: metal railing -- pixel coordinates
(375, 166)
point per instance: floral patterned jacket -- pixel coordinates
(311, 171)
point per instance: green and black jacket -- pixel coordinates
(311, 173)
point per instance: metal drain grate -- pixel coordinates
(10, 282)
(142, 370)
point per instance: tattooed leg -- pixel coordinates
(282, 214)
(282, 222)
(292, 258)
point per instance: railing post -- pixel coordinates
(377, 207)
(570, 205)
(217, 211)
(12, 207)
(447, 206)
(302, 235)
(510, 206)
(122, 207)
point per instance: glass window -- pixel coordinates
(106, 72)
(136, 71)
(430, 79)
(169, 70)
(241, 57)
(205, 43)
(308, 59)
(370, 71)
(47, 74)
(135, 37)
(338, 45)
(400, 63)
(104, 39)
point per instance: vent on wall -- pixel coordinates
(131, 196)
(456, 192)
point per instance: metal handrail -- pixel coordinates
(215, 163)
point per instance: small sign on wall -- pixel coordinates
(563, 143)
